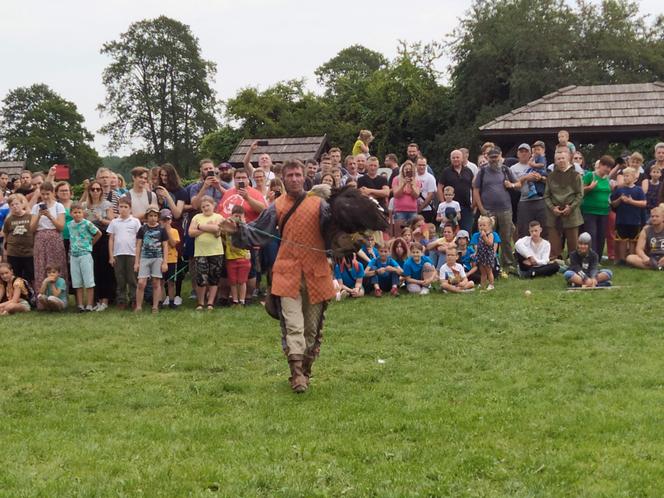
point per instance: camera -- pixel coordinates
(209, 174)
(241, 185)
(408, 174)
(262, 143)
(42, 207)
(277, 193)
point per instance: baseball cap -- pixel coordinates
(539, 143)
(225, 166)
(585, 238)
(165, 214)
(524, 146)
(151, 209)
(495, 151)
(462, 234)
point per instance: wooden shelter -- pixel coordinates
(282, 149)
(12, 168)
(598, 114)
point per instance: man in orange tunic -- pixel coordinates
(301, 275)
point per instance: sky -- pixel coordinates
(253, 42)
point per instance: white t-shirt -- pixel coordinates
(124, 235)
(44, 223)
(449, 274)
(428, 186)
(472, 167)
(139, 202)
(444, 205)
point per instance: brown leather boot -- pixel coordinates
(298, 381)
(307, 363)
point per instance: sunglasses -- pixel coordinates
(96, 189)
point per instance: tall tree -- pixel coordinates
(158, 89)
(39, 126)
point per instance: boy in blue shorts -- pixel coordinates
(384, 273)
(83, 234)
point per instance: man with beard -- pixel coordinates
(490, 193)
(301, 275)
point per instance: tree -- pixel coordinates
(39, 126)
(158, 90)
(350, 66)
(218, 145)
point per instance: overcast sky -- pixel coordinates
(253, 42)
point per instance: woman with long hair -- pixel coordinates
(171, 195)
(406, 188)
(99, 211)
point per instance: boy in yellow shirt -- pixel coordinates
(165, 218)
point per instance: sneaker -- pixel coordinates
(338, 296)
(166, 301)
(177, 301)
(172, 306)
(490, 287)
(395, 291)
(424, 291)
(80, 309)
(378, 292)
(88, 308)
(101, 307)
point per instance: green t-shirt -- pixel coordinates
(596, 201)
(68, 218)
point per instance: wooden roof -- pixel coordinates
(12, 168)
(282, 149)
(626, 108)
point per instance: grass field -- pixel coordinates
(498, 394)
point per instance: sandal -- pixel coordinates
(155, 311)
(199, 307)
(210, 307)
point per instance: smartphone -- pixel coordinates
(61, 172)
(262, 143)
(210, 173)
(241, 185)
(277, 193)
(42, 207)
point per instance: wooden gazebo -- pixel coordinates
(598, 114)
(282, 149)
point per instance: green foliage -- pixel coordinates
(39, 126)
(483, 394)
(219, 144)
(158, 89)
(351, 67)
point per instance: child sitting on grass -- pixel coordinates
(583, 270)
(83, 234)
(53, 292)
(14, 292)
(418, 271)
(384, 273)
(349, 275)
(452, 274)
(467, 256)
(369, 250)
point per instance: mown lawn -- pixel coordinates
(557, 394)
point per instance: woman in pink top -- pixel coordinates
(406, 190)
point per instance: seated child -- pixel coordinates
(384, 273)
(467, 256)
(349, 275)
(452, 274)
(53, 292)
(418, 271)
(449, 211)
(583, 270)
(533, 253)
(369, 250)
(14, 292)
(436, 248)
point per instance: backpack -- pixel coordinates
(503, 168)
(150, 196)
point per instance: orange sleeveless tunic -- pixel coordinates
(294, 261)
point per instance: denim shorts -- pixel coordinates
(82, 271)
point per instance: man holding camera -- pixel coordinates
(209, 185)
(242, 193)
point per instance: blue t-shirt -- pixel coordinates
(4, 211)
(414, 270)
(475, 239)
(373, 253)
(59, 284)
(349, 275)
(152, 238)
(626, 214)
(376, 263)
(80, 237)
(466, 259)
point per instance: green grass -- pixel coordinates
(558, 394)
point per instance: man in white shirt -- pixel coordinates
(533, 252)
(468, 164)
(427, 191)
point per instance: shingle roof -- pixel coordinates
(12, 168)
(283, 149)
(588, 107)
